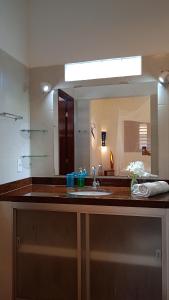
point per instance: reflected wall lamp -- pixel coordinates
(46, 87)
(103, 138)
(164, 77)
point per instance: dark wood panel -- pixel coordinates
(121, 196)
(104, 181)
(62, 135)
(66, 132)
(59, 180)
(15, 185)
(124, 282)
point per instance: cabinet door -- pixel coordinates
(123, 257)
(6, 250)
(46, 255)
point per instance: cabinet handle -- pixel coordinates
(18, 242)
(87, 238)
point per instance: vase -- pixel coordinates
(133, 182)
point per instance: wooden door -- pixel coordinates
(66, 132)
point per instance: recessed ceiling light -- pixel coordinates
(46, 87)
(164, 77)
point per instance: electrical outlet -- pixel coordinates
(19, 165)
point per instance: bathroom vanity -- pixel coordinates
(59, 246)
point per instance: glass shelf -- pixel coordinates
(33, 156)
(34, 130)
(11, 116)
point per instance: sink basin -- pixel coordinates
(90, 193)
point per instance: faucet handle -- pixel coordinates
(96, 183)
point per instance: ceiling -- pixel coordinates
(75, 30)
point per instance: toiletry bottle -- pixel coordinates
(70, 180)
(85, 172)
(81, 178)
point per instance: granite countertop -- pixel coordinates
(59, 194)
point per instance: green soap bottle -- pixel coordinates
(80, 178)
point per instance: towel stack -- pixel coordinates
(150, 188)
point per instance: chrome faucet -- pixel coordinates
(95, 183)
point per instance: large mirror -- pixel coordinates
(144, 124)
(114, 125)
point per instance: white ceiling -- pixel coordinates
(75, 30)
(53, 32)
(14, 23)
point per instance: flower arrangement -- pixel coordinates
(136, 169)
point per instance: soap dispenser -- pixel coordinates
(81, 178)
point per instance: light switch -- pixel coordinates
(19, 165)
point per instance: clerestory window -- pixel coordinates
(105, 68)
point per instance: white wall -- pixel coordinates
(14, 28)
(163, 130)
(43, 116)
(42, 143)
(66, 31)
(14, 84)
(14, 99)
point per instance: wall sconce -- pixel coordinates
(46, 87)
(103, 138)
(164, 77)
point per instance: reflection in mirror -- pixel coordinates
(130, 123)
(127, 123)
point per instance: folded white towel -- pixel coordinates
(150, 188)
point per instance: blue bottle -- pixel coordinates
(70, 180)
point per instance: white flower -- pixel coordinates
(137, 168)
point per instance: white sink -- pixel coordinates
(90, 193)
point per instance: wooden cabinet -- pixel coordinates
(46, 255)
(6, 251)
(88, 255)
(124, 258)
